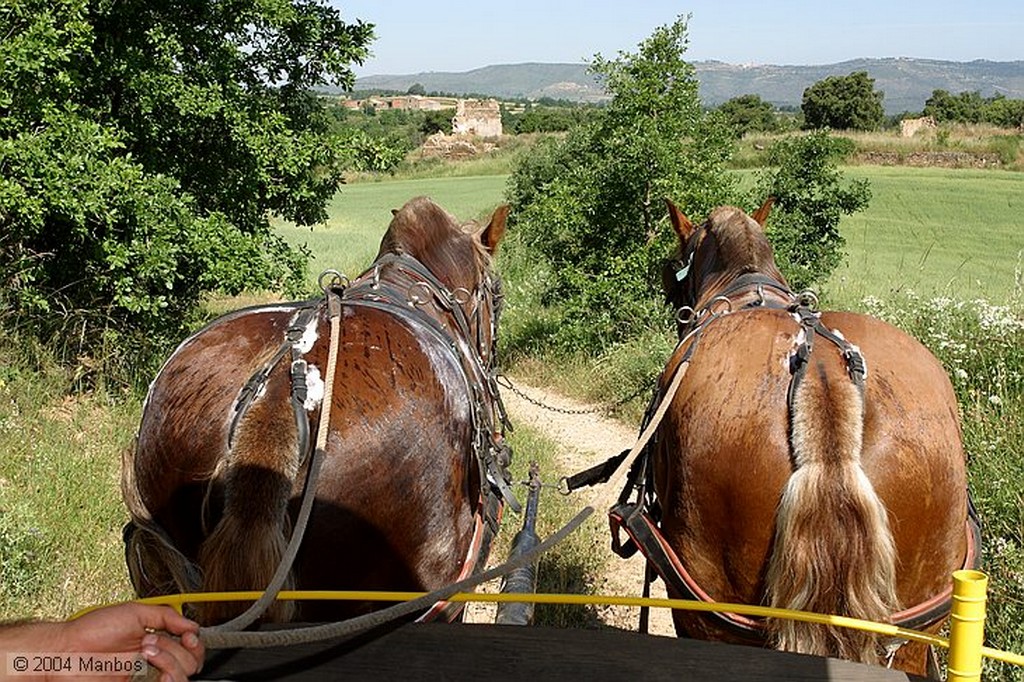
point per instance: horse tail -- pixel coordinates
(246, 545)
(155, 565)
(834, 552)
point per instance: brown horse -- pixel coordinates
(407, 496)
(809, 461)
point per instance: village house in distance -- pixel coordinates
(472, 116)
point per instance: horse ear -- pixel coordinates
(761, 214)
(680, 223)
(495, 230)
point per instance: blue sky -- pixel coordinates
(418, 35)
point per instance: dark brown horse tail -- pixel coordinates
(834, 552)
(246, 545)
(155, 566)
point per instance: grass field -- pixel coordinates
(932, 231)
(359, 215)
(957, 233)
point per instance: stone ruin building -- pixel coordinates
(477, 117)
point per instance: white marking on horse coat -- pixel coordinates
(314, 388)
(798, 341)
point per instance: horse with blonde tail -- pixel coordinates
(809, 460)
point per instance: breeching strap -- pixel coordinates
(251, 614)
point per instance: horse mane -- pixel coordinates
(427, 232)
(743, 246)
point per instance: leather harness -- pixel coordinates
(411, 286)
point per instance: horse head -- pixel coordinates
(459, 256)
(728, 245)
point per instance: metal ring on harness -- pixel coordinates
(332, 279)
(415, 299)
(719, 300)
(808, 298)
(461, 295)
(685, 315)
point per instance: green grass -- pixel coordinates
(360, 213)
(933, 232)
(60, 505)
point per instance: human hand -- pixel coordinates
(167, 640)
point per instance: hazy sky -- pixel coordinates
(419, 35)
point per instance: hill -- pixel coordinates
(906, 82)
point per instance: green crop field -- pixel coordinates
(936, 232)
(359, 215)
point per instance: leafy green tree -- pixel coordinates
(416, 89)
(810, 198)
(967, 107)
(437, 121)
(1005, 113)
(843, 103)
(591, 206)
(145, 145)
(375, 154)
(749, 114)
(536, 118)
(971, 107)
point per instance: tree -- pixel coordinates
(144, 147)
(592, 206)
(749, 113)
(971, 107)
(810, 199)
(416, 89)
(967, 107)
(1005, 112)
(843, 103)
(437, 121)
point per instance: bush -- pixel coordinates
(144, 148)
(591, 207)
(810, 199)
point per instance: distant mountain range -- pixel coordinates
(906, 82)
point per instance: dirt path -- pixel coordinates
(585, 440)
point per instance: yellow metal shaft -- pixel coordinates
(967, 626)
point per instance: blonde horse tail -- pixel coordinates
(155, 566)
(247, 543)
(833, 552)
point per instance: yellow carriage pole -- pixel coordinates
(967, 626)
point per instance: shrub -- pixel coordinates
(810, 199)
(591, 206)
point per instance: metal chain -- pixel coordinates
(505, 382)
